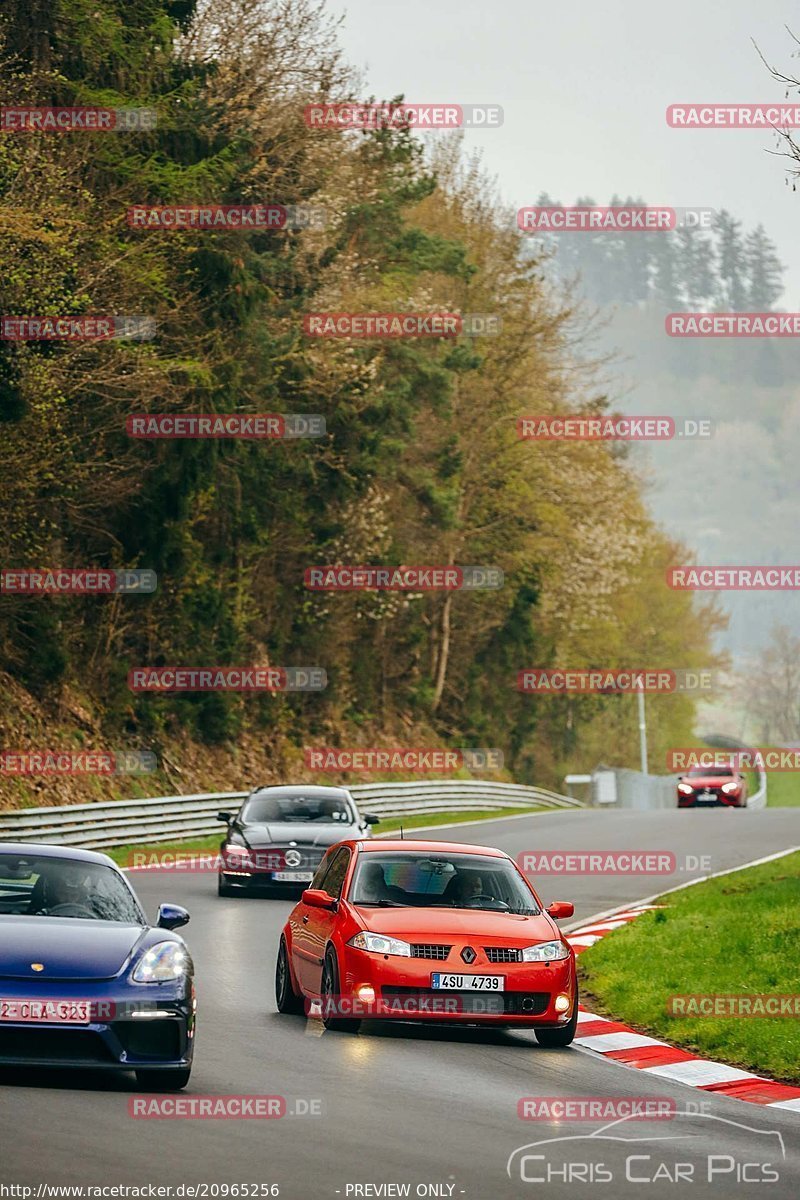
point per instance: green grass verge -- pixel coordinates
(734, 935)
(123, 854)
(783, 790)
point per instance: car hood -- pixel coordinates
(68, 947)
(436, 924)
(709, 780)
(282, 832)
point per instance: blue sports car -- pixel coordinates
(85, 981)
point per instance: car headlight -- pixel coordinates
(685, 789)
(729, 788)
(377, 943)
(236, 848)
(167, 960)
(545, 952)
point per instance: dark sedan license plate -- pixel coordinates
(46, 1012)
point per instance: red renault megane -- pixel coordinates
(427, 931)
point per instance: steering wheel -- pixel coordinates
(500, 904)
(69, 910)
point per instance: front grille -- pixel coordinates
(68, 1046)
(311, 856)
(502, 954)
(486, 1003)
(429, 950)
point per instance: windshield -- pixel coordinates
(269, 810)
(64, 887)
(424, 880)
(698, 772)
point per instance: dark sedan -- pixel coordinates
(85, 980)
(278, 838)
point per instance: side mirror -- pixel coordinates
(316, 898)
(560, 909)
(171, 916)
(225, 816)
(371, 819)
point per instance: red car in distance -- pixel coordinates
(710, 787)
(427, 931)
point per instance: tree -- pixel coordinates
(775, 683)
(764, 271)
(694, 253)
(732, 266)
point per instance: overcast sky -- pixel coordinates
(585, 86)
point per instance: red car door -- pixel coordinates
(315, 925)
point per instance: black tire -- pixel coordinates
(164, 1081)
(551, 1037)
(286, 997)
(329, 989)
(224, 889)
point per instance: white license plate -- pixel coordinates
(293, 876)
(46, 1012)
(467, 983)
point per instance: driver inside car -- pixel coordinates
(67, 885)
(465, 886)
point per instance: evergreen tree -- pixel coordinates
(764, 271)
(732, 293)
(694, 255)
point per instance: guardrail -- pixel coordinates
(172, 818)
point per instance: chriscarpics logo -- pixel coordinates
(699, 1148)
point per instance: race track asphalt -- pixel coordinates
(430, 1108)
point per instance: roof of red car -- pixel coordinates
(408, 844)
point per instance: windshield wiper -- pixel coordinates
(382, 903)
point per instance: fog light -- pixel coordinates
(562, 1003)
(366, 992)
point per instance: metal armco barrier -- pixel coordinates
(171, 818)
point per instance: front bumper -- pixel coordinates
(263, 881)
(136, 1028)
(719, 801)
(403, 990)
